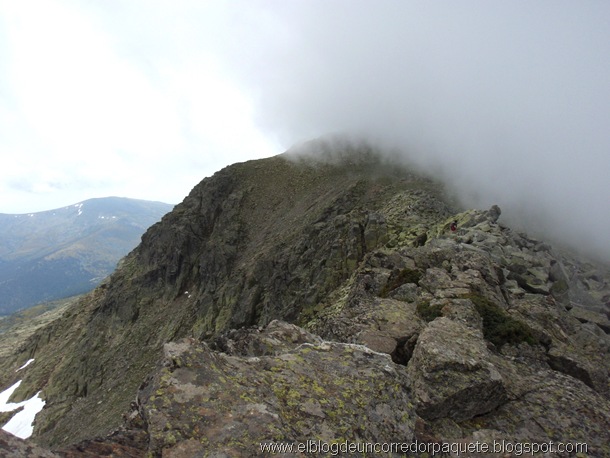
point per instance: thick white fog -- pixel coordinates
(508, 101)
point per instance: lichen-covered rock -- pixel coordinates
(591, 316)
(451, 373)
(13, 447)
(123, 443)
(210, 402)
(545, 406)
(560, 360)
(390, 323)
(276, 338)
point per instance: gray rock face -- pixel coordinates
(280, 384)
(494, 213)
(492, 358)
(451, 373)
(13, 447)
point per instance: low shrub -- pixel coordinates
(498, 326)
(429, 312)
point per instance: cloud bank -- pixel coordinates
(508, 101)
(115, 98)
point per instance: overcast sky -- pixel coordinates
(509, 100)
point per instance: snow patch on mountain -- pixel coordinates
(27, 363)
(22, 423)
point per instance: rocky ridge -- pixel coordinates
(392, 328)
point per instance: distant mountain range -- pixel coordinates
(59, 253)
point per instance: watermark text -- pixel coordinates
(431, 448)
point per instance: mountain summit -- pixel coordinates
(335, 298)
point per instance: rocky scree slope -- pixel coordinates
(401, 329)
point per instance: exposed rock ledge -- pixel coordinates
(282, 383)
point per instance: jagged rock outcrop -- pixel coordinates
(452, 374)
(273, 389)
(493, 357)
(401, 329)
(13, 447)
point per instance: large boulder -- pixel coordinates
(451, 373)
(204, 401)
(390, 325)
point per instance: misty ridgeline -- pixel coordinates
(330, 293)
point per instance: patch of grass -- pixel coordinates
(403, 276)
(498, 326)
(429, 312)
(309, 313)
(559, 288)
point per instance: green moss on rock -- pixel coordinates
(429, 312)
(498, 326)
